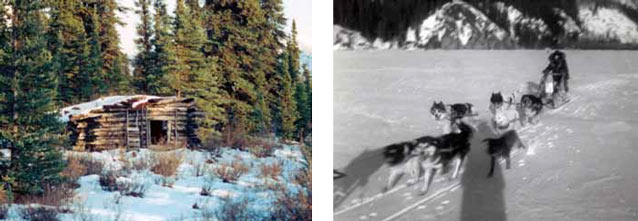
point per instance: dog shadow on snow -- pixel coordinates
(482, 196)
(358, 172)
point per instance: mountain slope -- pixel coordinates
(496, 25)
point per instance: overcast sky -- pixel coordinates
(300, 10)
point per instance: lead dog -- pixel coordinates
(502, 147)
(496, 102)
(430, 154)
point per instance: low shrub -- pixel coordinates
(199, 169)
(56, 196)
(39, 214)
(164, 181)
(271, 170)
(236, 210)
(93, 166)
(74, 169)
(229, 173)
(108, 181)
(293, 206)
(134, 189)
(166, 164)
(4, 210)
(260, 147)
(206, 191)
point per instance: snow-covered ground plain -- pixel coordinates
(254, 194)
(580, 163)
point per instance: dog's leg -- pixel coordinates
(459, 162)
(414, 173)
(507, 162)
(492, 167)
(394, 174)
(521, 144)
(429, 175)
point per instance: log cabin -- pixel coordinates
(131, 122)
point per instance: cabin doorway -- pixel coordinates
(159, 132)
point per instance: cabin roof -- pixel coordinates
(127, 101)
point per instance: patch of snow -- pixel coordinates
(87, 107)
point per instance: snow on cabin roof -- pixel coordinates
(87, 107)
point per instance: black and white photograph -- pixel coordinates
(485, 110)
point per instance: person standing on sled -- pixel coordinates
(558, 69)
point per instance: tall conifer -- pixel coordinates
(28, 120)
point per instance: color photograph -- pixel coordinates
(151, 110)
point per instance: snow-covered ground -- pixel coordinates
(176, 202)
(580, 160)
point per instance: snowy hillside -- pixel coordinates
(500, 24)
(458, 25)
(580, 159)
(609, 23)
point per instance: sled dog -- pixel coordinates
(501, 148)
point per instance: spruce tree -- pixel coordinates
(190, 73)
(67, 41)
(287, 103)
(162, 50)
(303, 97)
(293, 53)
(233, 30)
(272, 44)
(143, 60)
(28, 120)
(115, 63)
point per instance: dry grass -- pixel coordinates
(229, 173)
(166, 164)
(4, 197)
(108, 181)
(135, 162)
(92, 166)
(4, 200)
(293, 206)
(260, 147)
(271, 170)
(74, 169)
(39, 214)
(235, 209)
(58, 197)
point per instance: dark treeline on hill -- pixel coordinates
(390, 20)
(232, 56)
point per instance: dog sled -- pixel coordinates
(551, 97)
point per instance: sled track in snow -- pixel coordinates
(442, 191)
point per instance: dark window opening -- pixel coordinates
(158, 132)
